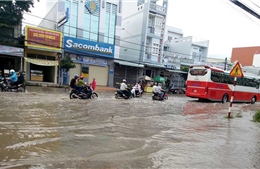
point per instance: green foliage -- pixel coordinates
(11, 12)
(256, 117)
(67, 63)
(185, 69)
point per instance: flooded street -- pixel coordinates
(45, 129)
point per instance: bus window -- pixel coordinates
(217, 77)
(198, 72)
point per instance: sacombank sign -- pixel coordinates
(88, 47)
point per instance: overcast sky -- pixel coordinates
(219, 21)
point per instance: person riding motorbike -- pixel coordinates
(157, 90)
(123, 88)
(74, 82)
(160, 90)
(13, 78)
(136, 89)
(20, 78)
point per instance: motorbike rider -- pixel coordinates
(123, 88)
(13, 78)
(160, 90)
(20, 78)
(74, 83)
(136, 89)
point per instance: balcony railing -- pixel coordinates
(157, 8)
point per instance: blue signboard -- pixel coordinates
(88, 47)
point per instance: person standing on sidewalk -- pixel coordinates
(94, 84)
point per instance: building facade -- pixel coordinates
(11, 49)
(247, 56)
(91, 36)
(142, 37)
(42, 47)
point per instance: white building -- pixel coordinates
(142, 32)
(187, 50)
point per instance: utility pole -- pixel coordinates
(225, 67)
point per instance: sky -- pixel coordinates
(222, 23)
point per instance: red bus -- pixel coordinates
(209, 83)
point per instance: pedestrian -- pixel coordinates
(93, 84)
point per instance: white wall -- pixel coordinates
(132, 29)
(256, 60)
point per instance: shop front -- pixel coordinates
(41, 54)
(126, 70)
(92, 60)
(10, 58)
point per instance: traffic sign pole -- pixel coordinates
(232, 97)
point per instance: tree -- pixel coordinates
(11, 11)
(67, 63)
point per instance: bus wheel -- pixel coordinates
(253, 100)
(224, 98)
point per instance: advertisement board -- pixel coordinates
(82, 47)
(43, 38)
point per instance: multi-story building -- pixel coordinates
(91, 36)
(187, 50)
(11, 49)
(170, 58)
(142, 37)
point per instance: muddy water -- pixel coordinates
(45, 129)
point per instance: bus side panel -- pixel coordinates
(216, 91)
(196, 89)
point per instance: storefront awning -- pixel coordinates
(128, 63)
(178, 71)
(42, 62)
(155, 65)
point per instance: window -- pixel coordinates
(91, 22)
(110, 23)
(198, 72)
(70, 28)
(155, 48)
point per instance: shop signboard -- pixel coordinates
(9, 50)
(88, 60)
(82, 47)
(43, 38)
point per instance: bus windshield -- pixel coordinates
(198, 72)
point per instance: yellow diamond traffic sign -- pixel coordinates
(237, 71)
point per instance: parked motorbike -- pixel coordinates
(14, 88)
(156, 96)
(120, 95)
(86, 93)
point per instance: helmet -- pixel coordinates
(76, 76)
(124, 80)
(81, 77)
(12, 70)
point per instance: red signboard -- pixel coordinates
(43, 38)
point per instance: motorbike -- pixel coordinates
(156, 96)
(137, 94)
(119, 94)
(14, 88)
(86, 93)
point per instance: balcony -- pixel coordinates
(157, 9)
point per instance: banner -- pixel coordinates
(9, 50)
(42, 62)
(43, 38)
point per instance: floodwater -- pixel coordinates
(45, 129)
